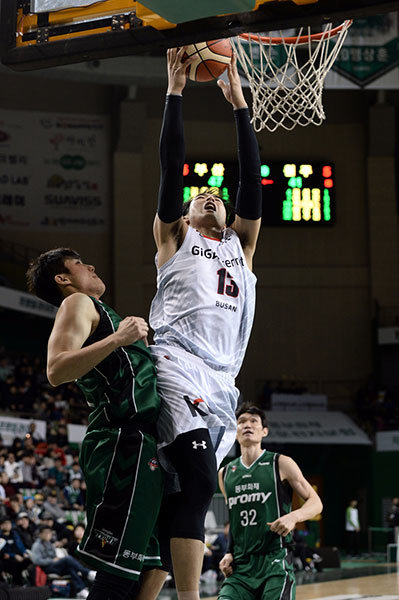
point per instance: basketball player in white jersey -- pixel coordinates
(202, 317)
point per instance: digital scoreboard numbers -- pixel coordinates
(294, 194)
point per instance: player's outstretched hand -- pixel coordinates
(130, 330)
(225, 564)
(284, 525)
(233, 90)
(177, 69)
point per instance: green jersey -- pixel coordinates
(256, 496)
(121, 389)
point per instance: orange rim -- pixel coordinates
(303, 39)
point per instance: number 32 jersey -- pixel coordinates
(256, 496)
(205, 300)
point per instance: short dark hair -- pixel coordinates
(44, 528)
(252, 409)
(43, 269)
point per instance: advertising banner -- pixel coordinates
(54, 172)
(315, 428)
(27, 303)
(370, 55)
(298, 402)
(387, 441)
(11, 428)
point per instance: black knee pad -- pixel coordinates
(193, 456)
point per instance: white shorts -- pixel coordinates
(194, 396)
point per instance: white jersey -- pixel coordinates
(205, 300)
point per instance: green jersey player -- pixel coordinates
(108, 358)
(258, 488)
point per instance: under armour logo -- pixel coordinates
(202, 445)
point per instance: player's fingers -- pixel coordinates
(180, 53)
(171, 53)
(233, 61)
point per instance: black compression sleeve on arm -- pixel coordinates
(171, 152)
(230, 543)
(249, 195)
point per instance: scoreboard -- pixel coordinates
(294, 193)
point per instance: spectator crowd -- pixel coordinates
(42, 489)
(25, 390)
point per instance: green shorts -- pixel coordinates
(261, 577)
(124, 493)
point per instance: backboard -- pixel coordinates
(34, 35)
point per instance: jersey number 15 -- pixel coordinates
(226, 284)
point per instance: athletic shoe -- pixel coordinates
(83, 593)
(92, 575)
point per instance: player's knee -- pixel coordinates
(193, 456)
(194, 459)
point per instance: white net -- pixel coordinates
(286, 74)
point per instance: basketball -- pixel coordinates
(212, 59)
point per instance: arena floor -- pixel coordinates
(374, 582)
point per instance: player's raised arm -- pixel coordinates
(249, 195)
(312, 506)
(172, 153)
(75, 321)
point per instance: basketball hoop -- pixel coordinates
(286, 74)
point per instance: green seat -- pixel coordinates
(180, 11)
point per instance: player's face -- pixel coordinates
(83, 278)
(207, 210)
(250, 430)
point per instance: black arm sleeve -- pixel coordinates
(171, 152)
(249, 194)
(230, 543)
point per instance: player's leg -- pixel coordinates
(280, 577)
(238, 587)
(192, 455)
(112, 587)
(124, 491)
(153, 576)
(150, 585)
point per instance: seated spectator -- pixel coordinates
(2, 493)
(58, 472)
(50, 458)
(8, 487)
(14, 507)
(30, 477)
(78, 533)
(51, 487)
(73, 495)
(308, 557)
(32, 509)
(29, 445)
(44, 556)
(60, 532)
(34, 434)
(75, 472)
(13, 469)
(17, 448)
(39, 501)
(51, 506)
(13, 555)
(25, 529)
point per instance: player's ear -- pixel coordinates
(265, 432)
(62, 279)
(186, 219)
